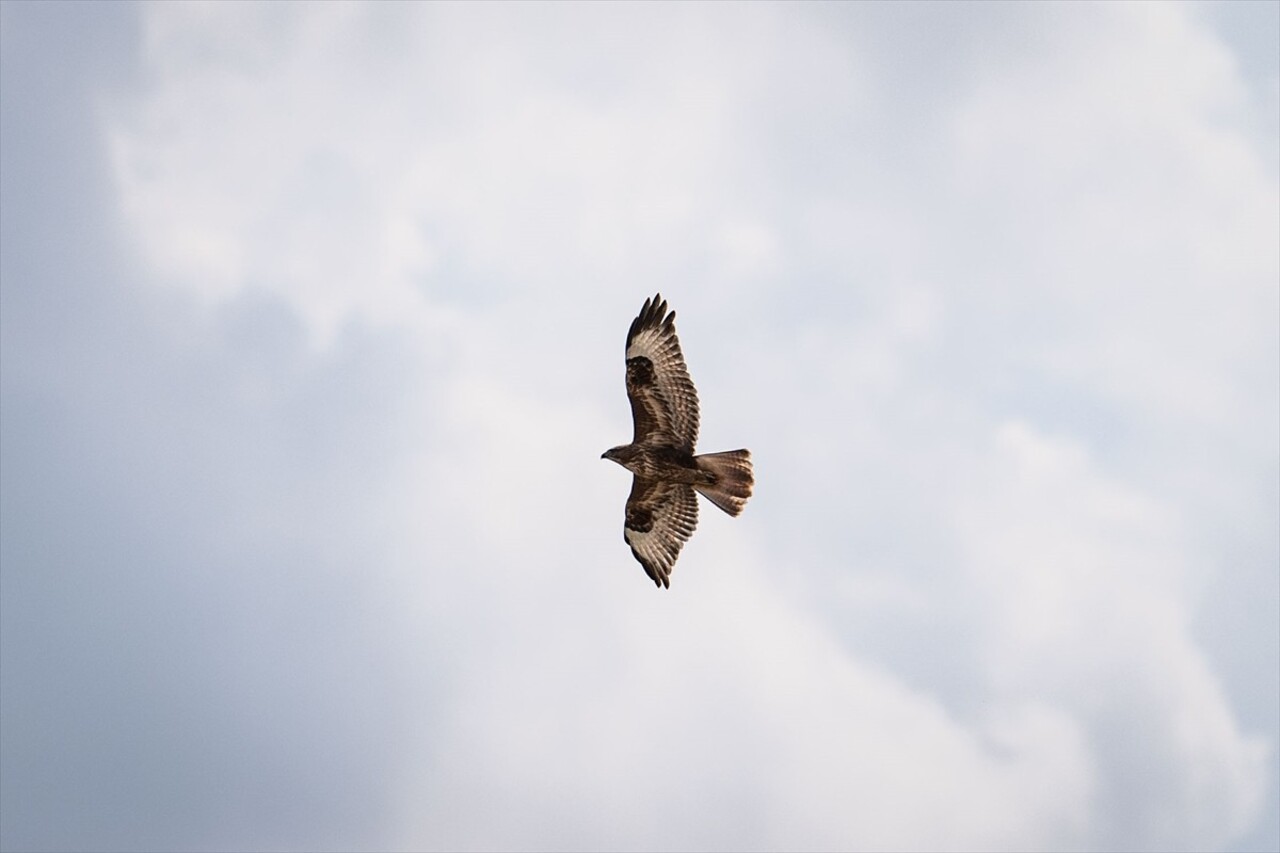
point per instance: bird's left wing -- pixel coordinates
(664, 403)
(660, 519)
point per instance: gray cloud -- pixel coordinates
(188, 660)
(301, 545)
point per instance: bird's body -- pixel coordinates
(662, 462)
(662, 510)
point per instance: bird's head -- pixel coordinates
(617, 454)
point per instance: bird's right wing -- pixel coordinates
(660, 519)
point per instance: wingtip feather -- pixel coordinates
(653, 314)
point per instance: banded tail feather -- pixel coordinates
(734, 479)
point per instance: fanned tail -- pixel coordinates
(734, 479)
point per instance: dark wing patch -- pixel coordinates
(664, 403)
(660, 519)
(648, 415)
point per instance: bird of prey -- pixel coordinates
(661, 509)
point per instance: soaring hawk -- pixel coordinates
(661, 509)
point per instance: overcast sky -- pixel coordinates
(312, 334)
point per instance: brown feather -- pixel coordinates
(664, 403)
(660, 519)
(662, 509)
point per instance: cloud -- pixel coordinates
(996, 314)
(1087, 596)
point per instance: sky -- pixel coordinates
(311, 337)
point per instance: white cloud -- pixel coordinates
(1084, 219)
(1132, 201)
(1088, 609)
